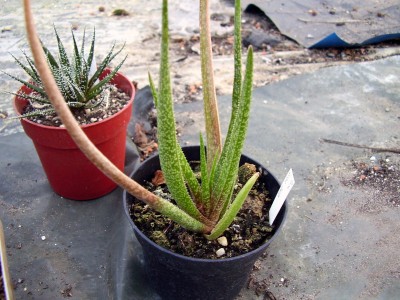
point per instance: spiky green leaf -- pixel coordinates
(168, 144)
(50, 58)
(227, 169)
(63, 57)
(31, 71)
(38, 112)
(233, 209)
(32, 97)
(98, 88)
(205, 178)
(78, 61)
(28, 84)
(179, 216)
(153, 90)
(190, 178)
(103, 65)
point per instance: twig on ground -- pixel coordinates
(375, 149)
(338, 21)
(311, 219)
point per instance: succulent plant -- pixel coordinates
(209, 203)
(77, 77)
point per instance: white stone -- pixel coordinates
(223, 241)
(220, 252)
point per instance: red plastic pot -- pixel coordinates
(69, 172)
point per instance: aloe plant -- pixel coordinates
(206, 206)
(211, 202)
(212, 199)
(76, 77)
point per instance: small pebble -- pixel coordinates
(220, 252)
(120, 12)
(177, 38)
(387, 109)
(236, 227)
(3, 114)
(376, 168)
(266, 60)
(43, 237)
(6, 28)
(373, 158)
(195, 49)
(312, 12)
(222, 241)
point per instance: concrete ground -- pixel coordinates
(341, 236)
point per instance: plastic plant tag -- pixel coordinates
(286, 186)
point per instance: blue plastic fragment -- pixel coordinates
(334, 41)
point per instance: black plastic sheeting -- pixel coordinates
(336, 23)
(86, 249)
(68, 248)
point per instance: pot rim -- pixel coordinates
(85, 125)
(204, 260)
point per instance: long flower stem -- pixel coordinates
(213, 131)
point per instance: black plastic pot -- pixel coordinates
(177, 277)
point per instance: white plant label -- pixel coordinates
(283, 192)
